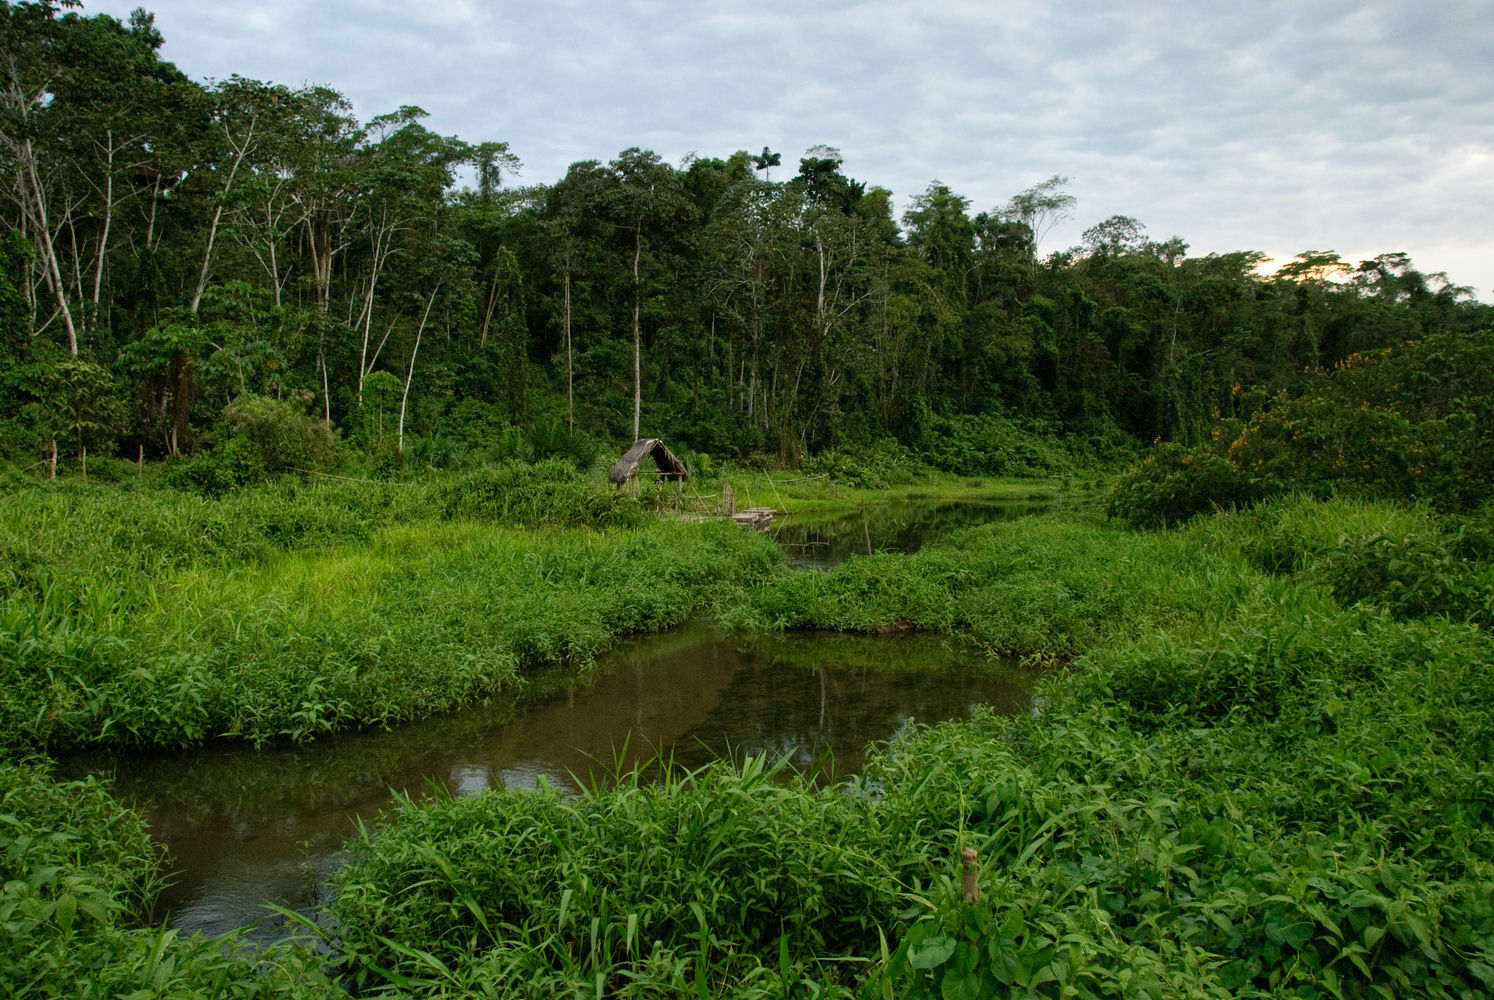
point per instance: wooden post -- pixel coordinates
(972, 877)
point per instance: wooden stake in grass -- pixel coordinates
(972, 877)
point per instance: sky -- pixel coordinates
(1359, 127)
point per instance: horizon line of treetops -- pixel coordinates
(170, 246)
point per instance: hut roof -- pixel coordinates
(670, 467)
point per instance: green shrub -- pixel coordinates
(1412, 423)
(549, 493)
(722, 874)
(258, 437)
(1172, 484)
(78, 872)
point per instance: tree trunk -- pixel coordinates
(380, 254)
(410, 375)
(637, 334)
(207, 254)
(487, 317)
(49, 249)
(570, 390)
(326, 392)
(98, 267)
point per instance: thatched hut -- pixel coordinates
(670, 467)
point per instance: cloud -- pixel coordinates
(1361, 126)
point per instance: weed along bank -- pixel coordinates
(1233, 722)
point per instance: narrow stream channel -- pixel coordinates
(244, 827)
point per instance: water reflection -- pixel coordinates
(892, 527)
(243, 827)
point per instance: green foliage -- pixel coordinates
(541, 442)
(1262, 771)
(77, 871)
(992, 445)
(293, 612)
(1042, 586)
(778, 317)
(724, 879)
(549, 493)
(876, 468)
(259, 437)
(1172, 484)
(74, 403)
(1240, 787)
(1410, 423)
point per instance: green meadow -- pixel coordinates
(1258, 762)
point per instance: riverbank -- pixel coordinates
(1263, 769)
(1244, 783)
(157, 619)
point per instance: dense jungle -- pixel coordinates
(304, 423)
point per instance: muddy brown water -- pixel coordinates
(245, 827)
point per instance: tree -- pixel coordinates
(402, 176)
(72, 94)
(648, 199)
(1116, 236)
(575, 226)
(1041, 207)
(765, 160)
(505, 317)
(76, 399)
(242, 115)
(748, 244)
(941, 233)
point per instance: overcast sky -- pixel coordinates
(1362, 127)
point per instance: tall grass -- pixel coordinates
(1260, 773)
(293, 612)
(1250, 783)
(1045, 586)
(723, 879)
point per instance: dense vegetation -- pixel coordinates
(1249, 784)
(153, 617)
(1413, 422)
(1263, 768)
(244, 270)
(1259, 765)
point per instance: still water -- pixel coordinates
(244, 827)
(892, 527)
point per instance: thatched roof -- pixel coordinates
(670, 467)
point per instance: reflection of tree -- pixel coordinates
(890, 528)
(814, 700)
(830, 710)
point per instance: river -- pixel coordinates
(243, 827)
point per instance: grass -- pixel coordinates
(284, 615)
(823, 496)
(1244, 783)
(1263, 769)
